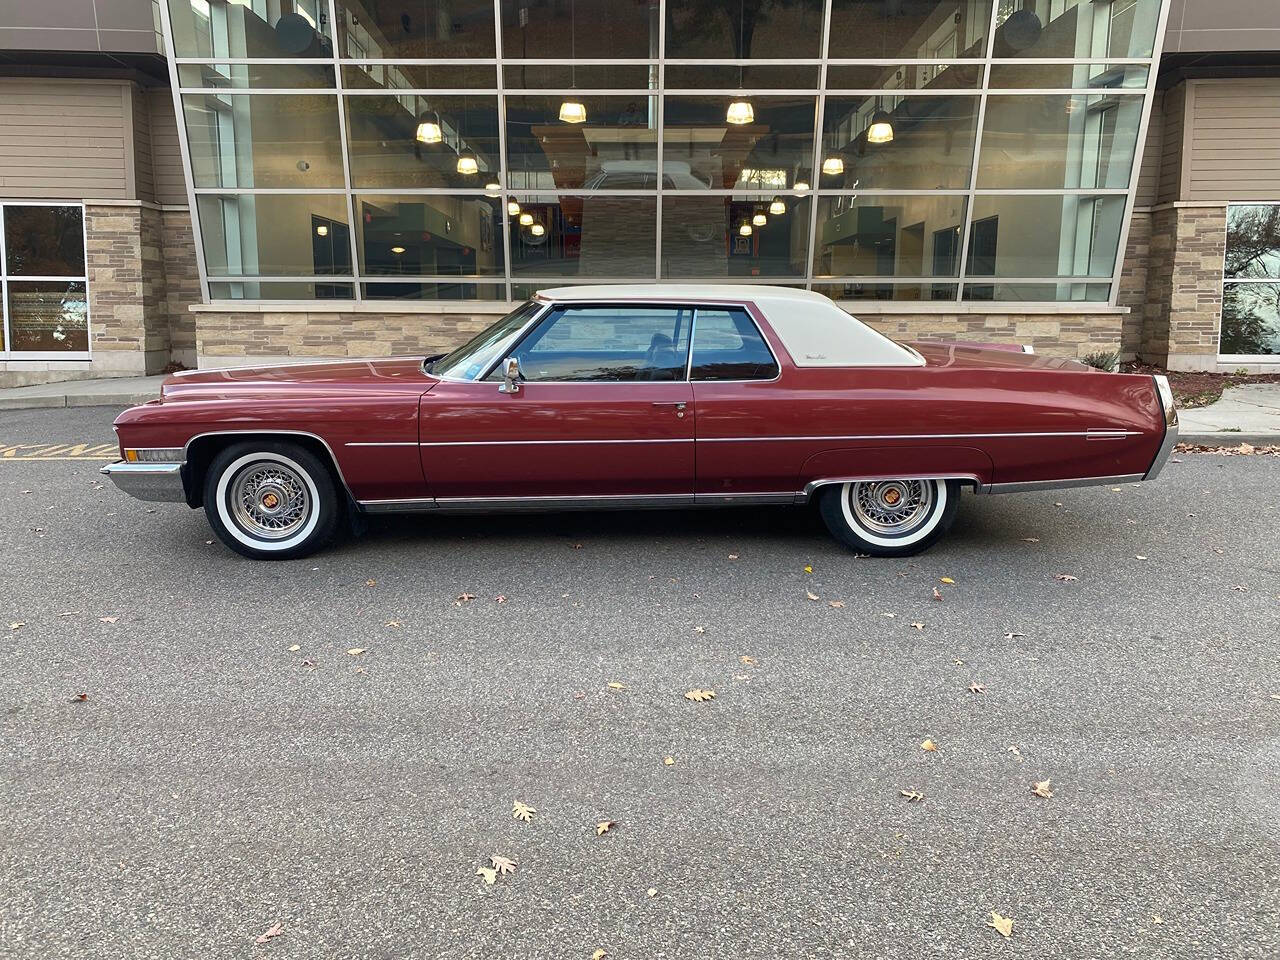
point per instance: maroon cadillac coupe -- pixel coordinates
(619, 397)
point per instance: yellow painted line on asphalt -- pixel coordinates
(58, 451)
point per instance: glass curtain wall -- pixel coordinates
(940, 150)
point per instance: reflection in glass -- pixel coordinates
(724, 30)
(217, 29)
(615, 148)
(1069, 76)
(48, 315)
(429, 236)
(415, 29)
(273, 234)
(44, 241)
(1060, 141)
(909, 29)
(412, 290)
(1253, 240)
(594, 76)
(397, 77)
(721, 237)
(386, 150)
(279, 290)
(1251, 319)
(875, 290)
(565, 29)
(1038, 292)
(888, 236)
(904, 78)
(1075, 28)
(277, 76)
(263, 140)
(1044, 236)
(704, 76)
(930, 146)
(587, 236)
(701, 150)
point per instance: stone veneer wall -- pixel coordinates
(1184, 287)
(1134, 274)
(182, 284)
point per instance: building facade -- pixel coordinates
(203, 182)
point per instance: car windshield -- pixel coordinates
(475, 356)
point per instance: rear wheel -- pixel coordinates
(889, 518)
(270, 500)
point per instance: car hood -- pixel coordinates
(336, 376)
(990, 357)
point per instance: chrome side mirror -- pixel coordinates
(510, 376)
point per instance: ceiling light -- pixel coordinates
(397, 250)
(322, 231)
(801, 186)
(571, 111)
(493, 188)
(467, 163)
(759, 219)
(429, 130)
(740, 112)
(513, 208)
(745, 229)
(777, 208)
(834, 165)
(537, 229)
(881, 129)
(526, 219)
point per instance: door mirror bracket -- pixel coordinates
(510, 376)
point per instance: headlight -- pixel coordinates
(154, 455)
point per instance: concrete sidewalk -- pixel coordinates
(1245, 414)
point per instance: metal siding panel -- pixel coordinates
(166, 152)
(1234, 141)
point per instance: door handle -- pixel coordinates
(678, 404)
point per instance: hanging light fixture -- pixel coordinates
(801, 185)
(526, 218)
(777, 208)
(537, 229)
(467, 162)
(759, 219)
(429, 129)
(881, 128)
(397, 250)
(493, 188)
(740, 111)
(745, 229)
(322, 231)
(833, 165)
(572, 110)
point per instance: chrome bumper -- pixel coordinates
(1170, 427)
(157, 482)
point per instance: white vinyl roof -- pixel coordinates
(814, 330)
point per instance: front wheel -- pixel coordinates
(889, 518)
(270, 500)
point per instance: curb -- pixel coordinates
(76, 400)
(1231, 439)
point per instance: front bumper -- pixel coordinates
(157, 482)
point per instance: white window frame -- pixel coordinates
(7, 352)
(1223, 358)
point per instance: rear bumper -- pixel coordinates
(1170, 428)
(156, 482)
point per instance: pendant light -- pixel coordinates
(777, 208)
(468, 165)
(881, 128)
(759, 219)
(833, 165)
(740, 111)
(397, 250)
(492, 188)
(745, 229)
(429, 129)
(526, 218)
(571, 110)
(322, 231)
(537, 229)
(513, 208)
(802, 183)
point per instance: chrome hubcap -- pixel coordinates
(269, 500)
(891, 507)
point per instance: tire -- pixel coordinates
(270, 500)
(889, 518)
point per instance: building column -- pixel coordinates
(1184, 290)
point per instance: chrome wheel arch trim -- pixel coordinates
(269, 433)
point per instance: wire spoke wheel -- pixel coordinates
(269, 500)
(892, 508)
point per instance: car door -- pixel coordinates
(604, 411)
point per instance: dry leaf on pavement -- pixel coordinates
(937, 594)
(355, 651)
(912, 796)
(1015, 751)
(500, 598)
(503, 864)
(80, 698)
(918, 625)
(652, 891)
(17, 625)
(1066, 578)
(604, 826)
(929, 746)
(371, 583)
(668, 761)
(463, 598)
(749, 661)
(1002, 925)
(733, 556)
(1030, 539)
(699, 629)
(946, 580)
(1013, 635)
(393, 623)
(811, 595)
(271, 933)
(977, 688)
(700, 696)
(295, 648)
(615, 685)
(837, 604)
(490, 875)
(108, 619)
(599, 954)
(1041, 789)
(521, 811)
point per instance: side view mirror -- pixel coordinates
(510, 376)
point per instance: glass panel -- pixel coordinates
(914, 29)
(563, 76)
(1253, 240)
(728, 346)
(387, 148)
(1063, 140)
(263, 75)
(702, 149)
(613, 147)
(472, 358)
(607, 343)
(601, 29)
(1083, 29)
(415, 29)
(283, 235)
(280, 290)
(48, 315)
(208, 30)
(1038, 292)
(434, 291)
(1044, 236)
(594, 236)
(1069, 76)
(429, 236)
(929, 143)
(887, 291)
(393, 77)
(727, 77)
(703, 237)
(44, 241)
(263, 140)
(886, 236)
(716, 30)
(1251, 319)
(906, 77)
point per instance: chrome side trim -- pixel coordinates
(916, 436)
(372, 443)
(1030, 486)
(153, 482)
(518, 504)
(1101, 434)
(1170, 427)
(813, 486)
(526, 443)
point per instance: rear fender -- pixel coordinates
(895, 463)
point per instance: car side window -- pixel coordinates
(606, 343)
(727, 345)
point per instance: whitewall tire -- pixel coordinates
(271, 500)
(889, 518)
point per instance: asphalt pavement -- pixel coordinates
(215, 783)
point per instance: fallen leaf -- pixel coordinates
(1066, 578)
(69, 613)
(520, 811)
(700, 696)
(1241, 588)
(604, 826)
(1013, 635)
(1138, 556)
(733, 556)
(652, 892)
(749, 661)
(946, 580)
(929, 746)
(502, 864)
(1156, 918)
(1246, 448)
(615, 685)
(889, 615)
(1030, 539)
(1002, 925)
(837, 604)
(808, 568)
(699, 629)
(668, 761)
(108, 619)
(80, 698)
(270, 934)
(371, 583)
(577, 546)
(463, 598)
(599, 954)
(393, 623)
(918, 625)
(977, 688)
(499, 599)
(17, 625)
(811, 595)
(295, 648)
(490, 875)
(308, 662)
(912, 796)
(937, 594)
(1041, 789)
(355, 651)
(1015, 751)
